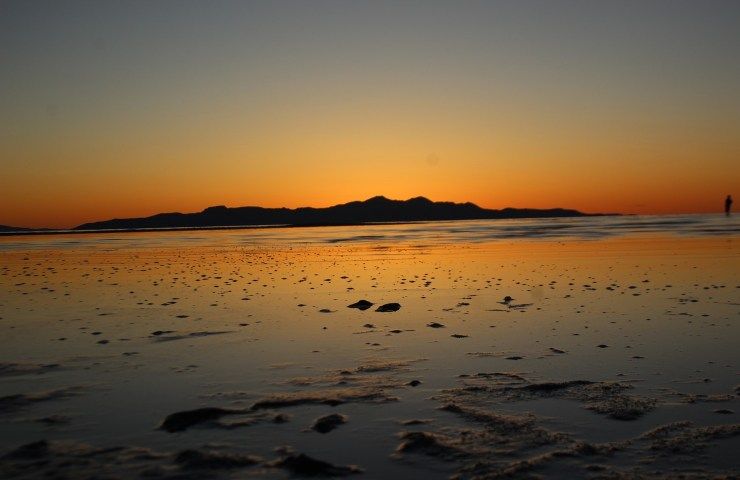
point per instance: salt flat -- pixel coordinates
(602, 348)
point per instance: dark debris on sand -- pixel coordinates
(389, 307)
(361, 305)
(68, 460)
(606, 398)
(500, 445)
(181, 421)
(328, 423)
(161, 336)
(370, 382)
(10, 403)
(305, 466)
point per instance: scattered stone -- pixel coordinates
(303, 465)
(389, 307)
(180, 421)
(361, 305)
(328, 423)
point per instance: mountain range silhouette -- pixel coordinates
(6, 228)
(377, 209)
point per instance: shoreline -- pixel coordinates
(16, 233)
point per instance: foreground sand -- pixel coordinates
(613, 359)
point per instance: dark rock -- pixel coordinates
(328, 423)
(180, 421)
(303, 465)
(361, 305)
(389, 307)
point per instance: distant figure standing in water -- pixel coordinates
(728, 204)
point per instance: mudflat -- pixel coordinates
(378, 356)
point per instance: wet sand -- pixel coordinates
(560, 358)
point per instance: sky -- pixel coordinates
(130, 108)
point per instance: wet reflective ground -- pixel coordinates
(419, 233)
(231, 354)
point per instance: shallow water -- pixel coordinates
(420, 233)
(105, 335)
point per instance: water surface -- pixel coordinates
(105, 335)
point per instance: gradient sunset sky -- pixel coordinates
(119, 109)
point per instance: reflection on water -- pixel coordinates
(420, 232)
(604, 340)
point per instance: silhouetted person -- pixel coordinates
(728, 204)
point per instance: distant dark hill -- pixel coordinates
(5, 228)
(376, 209)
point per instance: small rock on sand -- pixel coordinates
(389, 307)
(180, 421)
(328, 423)
(361, 305)
(303, 465)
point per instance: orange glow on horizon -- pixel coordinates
(295, 105)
